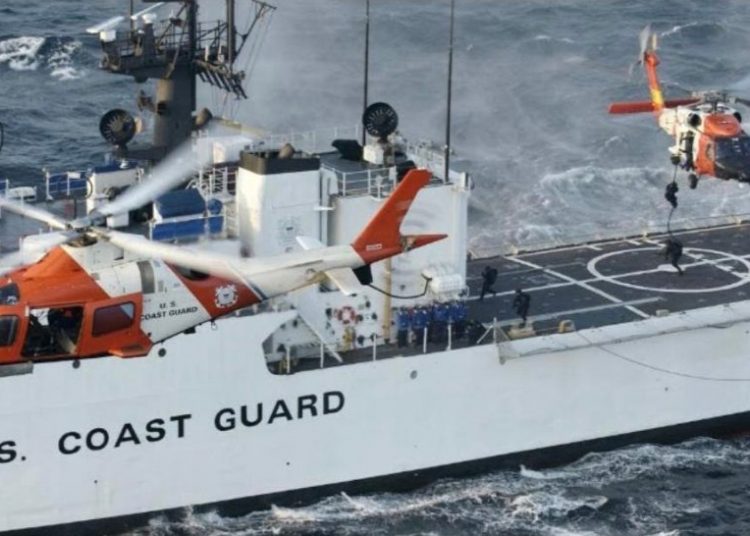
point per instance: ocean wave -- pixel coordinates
(544, 37)
(634, 485)
(60, 61)
(54, 55)
(705, 28)
(21, 53)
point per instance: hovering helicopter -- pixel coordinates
(97, 292)
(708, 136)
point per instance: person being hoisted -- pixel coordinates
(670, 194)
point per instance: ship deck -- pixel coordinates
(603, 283)
(620, 280)
(591, 285)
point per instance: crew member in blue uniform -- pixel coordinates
(418, 323)
(439, 322)
(457, 315)
(521, 303)
(403, 323)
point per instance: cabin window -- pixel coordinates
(9, 294)
(8, 327)
(113, 318)
(52, 331)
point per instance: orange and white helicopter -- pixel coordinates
(708, 136)
(98, 292)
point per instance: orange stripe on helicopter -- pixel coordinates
(218, 296)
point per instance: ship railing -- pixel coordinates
(325, 346)
(216, 181)
(170, 38)
(588, 234)
(312, 141)
(429, 156)
(65, 185)
(377, 182)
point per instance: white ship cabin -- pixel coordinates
(282, 195)
(257, 197)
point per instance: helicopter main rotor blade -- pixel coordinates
(149, 9)
(34, 213)
(212, 263)
(178, 166)
(109, 24)
(12, 261)
(33, 248)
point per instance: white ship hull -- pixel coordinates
(400, 418)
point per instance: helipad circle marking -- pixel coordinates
(743, 279)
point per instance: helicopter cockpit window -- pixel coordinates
(733, 147)
(8, 328)
(9, 294)
(113, 318)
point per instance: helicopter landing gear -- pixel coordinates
(693, 181)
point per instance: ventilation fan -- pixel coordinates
(118, 127)
(380, 120)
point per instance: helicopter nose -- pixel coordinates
(733, 168)
(741, 171)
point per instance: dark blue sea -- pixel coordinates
(532, 82)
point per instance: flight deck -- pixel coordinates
(598, 284)
(618, 281)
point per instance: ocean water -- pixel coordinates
(532, 82)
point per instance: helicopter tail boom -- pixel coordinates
(650, 62)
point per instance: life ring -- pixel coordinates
(347, 315)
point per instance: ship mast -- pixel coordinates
(367, 63)
(176, 52)
(447, 150)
